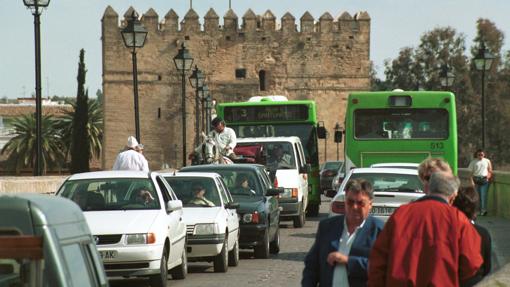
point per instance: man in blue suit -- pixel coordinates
(339, 255)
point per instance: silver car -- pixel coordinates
(392, 188)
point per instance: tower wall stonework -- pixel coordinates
(323, 63)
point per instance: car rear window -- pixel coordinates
(392, 182)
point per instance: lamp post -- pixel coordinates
(197, 80)
(134, 35)
(483, 62)
(337, 131)
(203, 93)
(36, 7)
(208, 108)
(183, 62)
(446, 77)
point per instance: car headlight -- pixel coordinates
(207, 228)
(140, 238)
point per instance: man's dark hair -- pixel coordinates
(360, 185)
(467, 201)
(216, 121)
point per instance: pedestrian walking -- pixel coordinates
(429, 166)
(427, 242)
(467, 202)
(339, 255)
(481, 174)
(130, 158)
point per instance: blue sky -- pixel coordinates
(69, 25)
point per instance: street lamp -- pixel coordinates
(183, 62)
(197, 80)
(36, 7)
(483, 62)
(134, 35)
(446, 77)
(202, 94)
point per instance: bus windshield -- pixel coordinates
(401, 124)
(305, 132)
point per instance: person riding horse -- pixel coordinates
(224, 137)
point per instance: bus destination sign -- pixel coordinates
(266, 113)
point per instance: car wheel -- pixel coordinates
(262, 250)
(299, 221)
(181, 271)
(313, 209)
(221, 260)
(160, 280)
(274, 246)
(233, 255)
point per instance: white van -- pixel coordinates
(285, 159)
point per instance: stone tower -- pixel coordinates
(322, 60)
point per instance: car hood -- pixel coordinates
(287, 177)
(120, 221)
(248, 204)
(194, 215)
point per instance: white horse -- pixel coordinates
(208, 152)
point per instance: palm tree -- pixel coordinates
(94, 128)
(22, 150)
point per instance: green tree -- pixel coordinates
(80, 145)
(404, 72)
(22, 150)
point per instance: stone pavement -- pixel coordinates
(499, 228)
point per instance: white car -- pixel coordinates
(392, 188)
(136, 221)
(212, 223)
(407, 165)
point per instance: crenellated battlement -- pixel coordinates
(251, 23)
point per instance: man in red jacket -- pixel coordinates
(427, 242)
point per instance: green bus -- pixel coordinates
(400, 126)
(273, 116)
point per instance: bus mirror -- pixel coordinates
(321, 130)
(338, 136)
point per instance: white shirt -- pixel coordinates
(479, 167)
(340, 277)
(131, 160)
(226, 138)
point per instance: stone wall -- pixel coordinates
(322, 60)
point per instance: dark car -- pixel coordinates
(329, 171)
(259, 212)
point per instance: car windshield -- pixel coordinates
(280, 155)
(195, 191)
(392, 182)
(233, 181)
(111, 194)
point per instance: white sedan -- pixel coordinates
(136, 221)
(392, 188)
(210, 216)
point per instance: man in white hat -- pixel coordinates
(131, 159)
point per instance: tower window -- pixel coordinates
(240, 73)
(262, 80)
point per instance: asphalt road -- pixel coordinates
(283, 269)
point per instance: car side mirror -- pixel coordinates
(330, 193)
(274, 191)
(306, 168)
(232, 205)
(173, 205)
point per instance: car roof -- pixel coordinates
(395, 164)
(269, 139)
(45, 209)
(384, 170)
(191, 174)
(235, 166)
(110, 174)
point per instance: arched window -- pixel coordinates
(262, 80)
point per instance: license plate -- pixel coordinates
(382, 210)
(108, 254)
